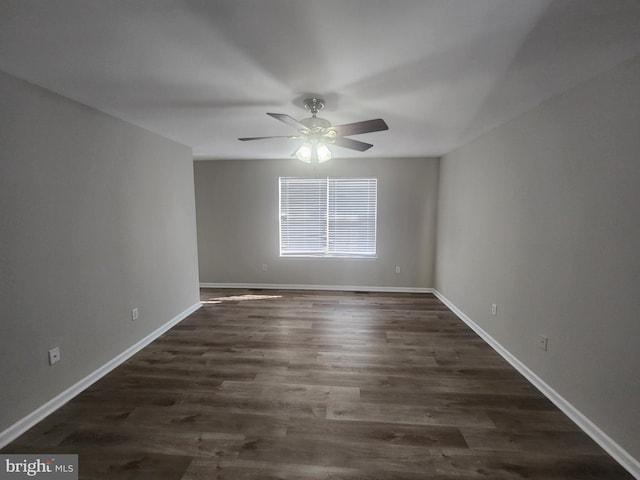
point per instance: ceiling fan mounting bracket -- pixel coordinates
(314, 105)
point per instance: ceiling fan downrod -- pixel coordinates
(314, 105)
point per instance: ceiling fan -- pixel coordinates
(317, 133)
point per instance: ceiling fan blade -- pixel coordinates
(244, 139)
(357, 128)
(352, 144)
(283, 117)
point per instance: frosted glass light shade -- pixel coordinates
(323, 152)
(304, 153)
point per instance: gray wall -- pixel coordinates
(237, 210)
(97, 216)
(542, 217)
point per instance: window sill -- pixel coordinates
(352, 257)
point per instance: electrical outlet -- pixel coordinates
(264, 267)
(397, 268)
(54, 355)
(135, 314)
(543, 343)
(494, 309)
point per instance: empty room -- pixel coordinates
(295, 239)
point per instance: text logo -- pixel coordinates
(51, 467)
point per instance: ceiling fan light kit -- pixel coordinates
(317, 133)
(312, 153)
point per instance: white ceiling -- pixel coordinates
(203, 73)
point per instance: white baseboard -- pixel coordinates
(21, 426)
(341, 288)
(623, 457)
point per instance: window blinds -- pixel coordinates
(328, 217)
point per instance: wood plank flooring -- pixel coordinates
(318, 385)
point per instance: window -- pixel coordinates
(328, 217)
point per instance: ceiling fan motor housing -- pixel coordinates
(315, 123)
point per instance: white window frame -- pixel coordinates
(328, 234)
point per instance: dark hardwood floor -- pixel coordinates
(318, 385)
